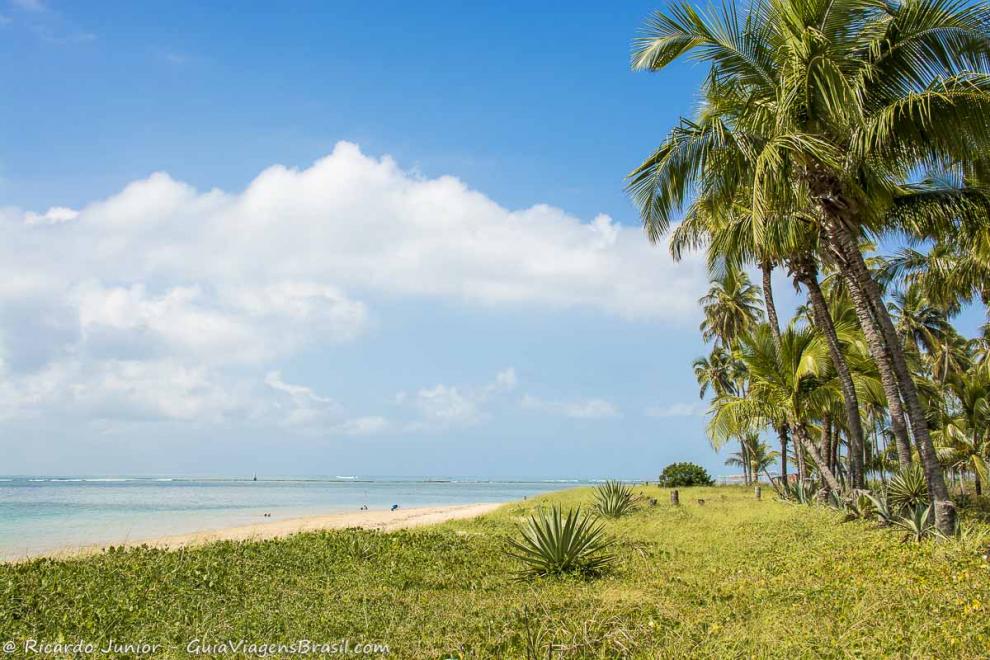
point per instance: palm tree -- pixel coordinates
(805, 271)
(754, 456)
(920, 324)
(964, 440)
(718, 371)
(793, 380)
(731, 306)
(826, 107)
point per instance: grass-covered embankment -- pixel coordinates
(734, 577)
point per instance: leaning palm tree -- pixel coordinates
(827, 107)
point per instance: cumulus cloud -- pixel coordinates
(216, 284)
(579, 409)
(445, 406)
(52, 216)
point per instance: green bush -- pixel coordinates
(677, 475)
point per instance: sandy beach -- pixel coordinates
(383, 520)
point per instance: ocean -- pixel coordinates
(44, 514)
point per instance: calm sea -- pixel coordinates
(41, 514)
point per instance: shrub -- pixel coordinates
(554, 544)
(614, 499)
(679, 475)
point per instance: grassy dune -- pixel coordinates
(734, 577)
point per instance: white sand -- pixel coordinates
(372, 519)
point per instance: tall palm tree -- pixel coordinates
(827, 107)
(805, 271)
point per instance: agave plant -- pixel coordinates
(614, 499)
(860, 507)
(798, 492)
(881, 508)
(555, 543)
(917, 523)
(908, 489)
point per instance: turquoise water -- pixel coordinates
(42, 514)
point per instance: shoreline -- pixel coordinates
(375, 519)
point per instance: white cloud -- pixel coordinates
(676, 410)
(361, 426)
(579, 409)
(124, 389)
(212, 282)
(52, 216)
(444, 406)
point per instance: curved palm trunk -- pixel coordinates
(768, 303)
(823, 320)
(888, 379)
(830, 199)
(863, 287)
(801, 437)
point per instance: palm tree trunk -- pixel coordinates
(782, 436)
(768, 303)
(885, 367)
(977, 484)
(799, 457)
(836, 445)
(826, 448)
(823, 320)
(801, 438)
(863, 286)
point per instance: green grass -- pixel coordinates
(732, 578)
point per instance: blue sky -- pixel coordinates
(338, 238)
